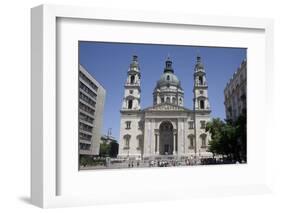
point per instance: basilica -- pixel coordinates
(167, 128)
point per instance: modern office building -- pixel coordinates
(235, 93)
(91, 106)
(166, 129)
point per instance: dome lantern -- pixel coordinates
(168, 78)
(168, 67)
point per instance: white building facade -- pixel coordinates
(166, 128)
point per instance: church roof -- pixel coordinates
(166, 107)
(134, 66)
(199, 65)
(168, 77)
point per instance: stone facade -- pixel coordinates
(235, 93)
(166, 128)
(91, 106)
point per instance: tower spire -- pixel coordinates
(168, 67)
(199, 65)
(200, 89)
(131, 100)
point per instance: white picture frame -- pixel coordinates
(45, 178)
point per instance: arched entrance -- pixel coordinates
(166, 138)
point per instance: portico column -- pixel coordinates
(156, 131)
(174, 140)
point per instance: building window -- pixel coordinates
(203, 124)
(203, 140)
(85, 127)
(174, 100)
(131, 91)
(191, 125)
(162, 100)
(88, 81)
(86, 118)
(180, 101)
(128, 124)
(191, 141)
(140, 144)
(140, 124)
(127, 141)
(168, 78)
(139, 139)
(87, 99)
(168, 100)
(83, 136)
(132, 79)
(86, 109)
(85, 146)
(201, 92)
(200, 80)
(202, 104)
(130, 104)
(229, 111)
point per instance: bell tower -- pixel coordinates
(131, 100)
(200, 88)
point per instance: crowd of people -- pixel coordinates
(160, 162)
(174, 162)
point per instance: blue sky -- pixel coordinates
(109, 62)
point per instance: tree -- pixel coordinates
(104, 149)
(241, 128)
(228, 138)
(85, 160)
(109, 150)
(114, 146)
(223, 136)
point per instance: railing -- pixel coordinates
(132, 84)
(94, 98)
(199, 84)
(87, 113)
(85, 141)
(86, 132)
(93, 107)
(88, 84)
(86, 122)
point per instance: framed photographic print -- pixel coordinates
(156, 129)
(130, 106)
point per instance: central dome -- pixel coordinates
(168, 88)
(168, 79)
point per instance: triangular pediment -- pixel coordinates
(166, 107)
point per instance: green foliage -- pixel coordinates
(113, 149)
(109, 150)
(241, 126)
(104, 150)
(84, 160)
(228, 138)
(87, 160)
